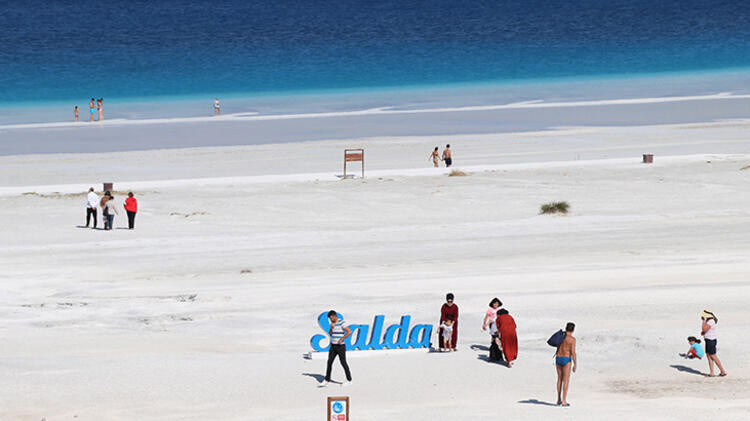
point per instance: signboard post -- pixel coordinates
(338, 408)
(354, 155)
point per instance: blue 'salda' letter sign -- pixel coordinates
(396, 336)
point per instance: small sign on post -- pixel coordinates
(354, 155)
(648, 158)
(338, 408)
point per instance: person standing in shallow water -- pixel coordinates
(217, 107)
(92, 109)
(338, 332)
(75, 113)
(566, 353)
(708, 331)
(100, 107)
(448, 310)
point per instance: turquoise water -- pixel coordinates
(56, 52)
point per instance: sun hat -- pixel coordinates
(707, 314)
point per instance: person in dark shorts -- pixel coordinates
(338, 333)
(708, 330)
(447, 156)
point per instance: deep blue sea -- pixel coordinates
(64, 50)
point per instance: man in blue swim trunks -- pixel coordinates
(566, 353)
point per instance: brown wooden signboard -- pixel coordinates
(354, 155)
(338, 408)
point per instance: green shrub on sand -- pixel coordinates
(555, 207)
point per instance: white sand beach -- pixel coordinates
(205, 310)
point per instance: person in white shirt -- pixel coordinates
(92, 200)
(708, 330)
(217, 107)
(338, 332)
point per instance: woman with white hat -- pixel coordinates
(708, 330)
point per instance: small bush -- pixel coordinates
(246, 271)
(555, 207)
(457, 173)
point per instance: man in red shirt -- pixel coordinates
(131, 207)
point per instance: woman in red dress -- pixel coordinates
(506, 327)
(448, 309)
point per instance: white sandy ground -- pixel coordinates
(160, 324)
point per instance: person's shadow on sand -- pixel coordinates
(485, 357)
(319, 377)
(685, 369)
(537, 402)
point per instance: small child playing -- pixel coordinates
(695, 350)
(447, 327)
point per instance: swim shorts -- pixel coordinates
(448, 161)
(92, 110)
(711, 346)
(562, 361)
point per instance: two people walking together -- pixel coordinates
(446, 157)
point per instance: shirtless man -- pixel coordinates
(435, 156)
(447, 156)
(566, 353)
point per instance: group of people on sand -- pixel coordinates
(708, 331)
(96, 106)
(109, 209)
(504, 340)
(446, 157)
